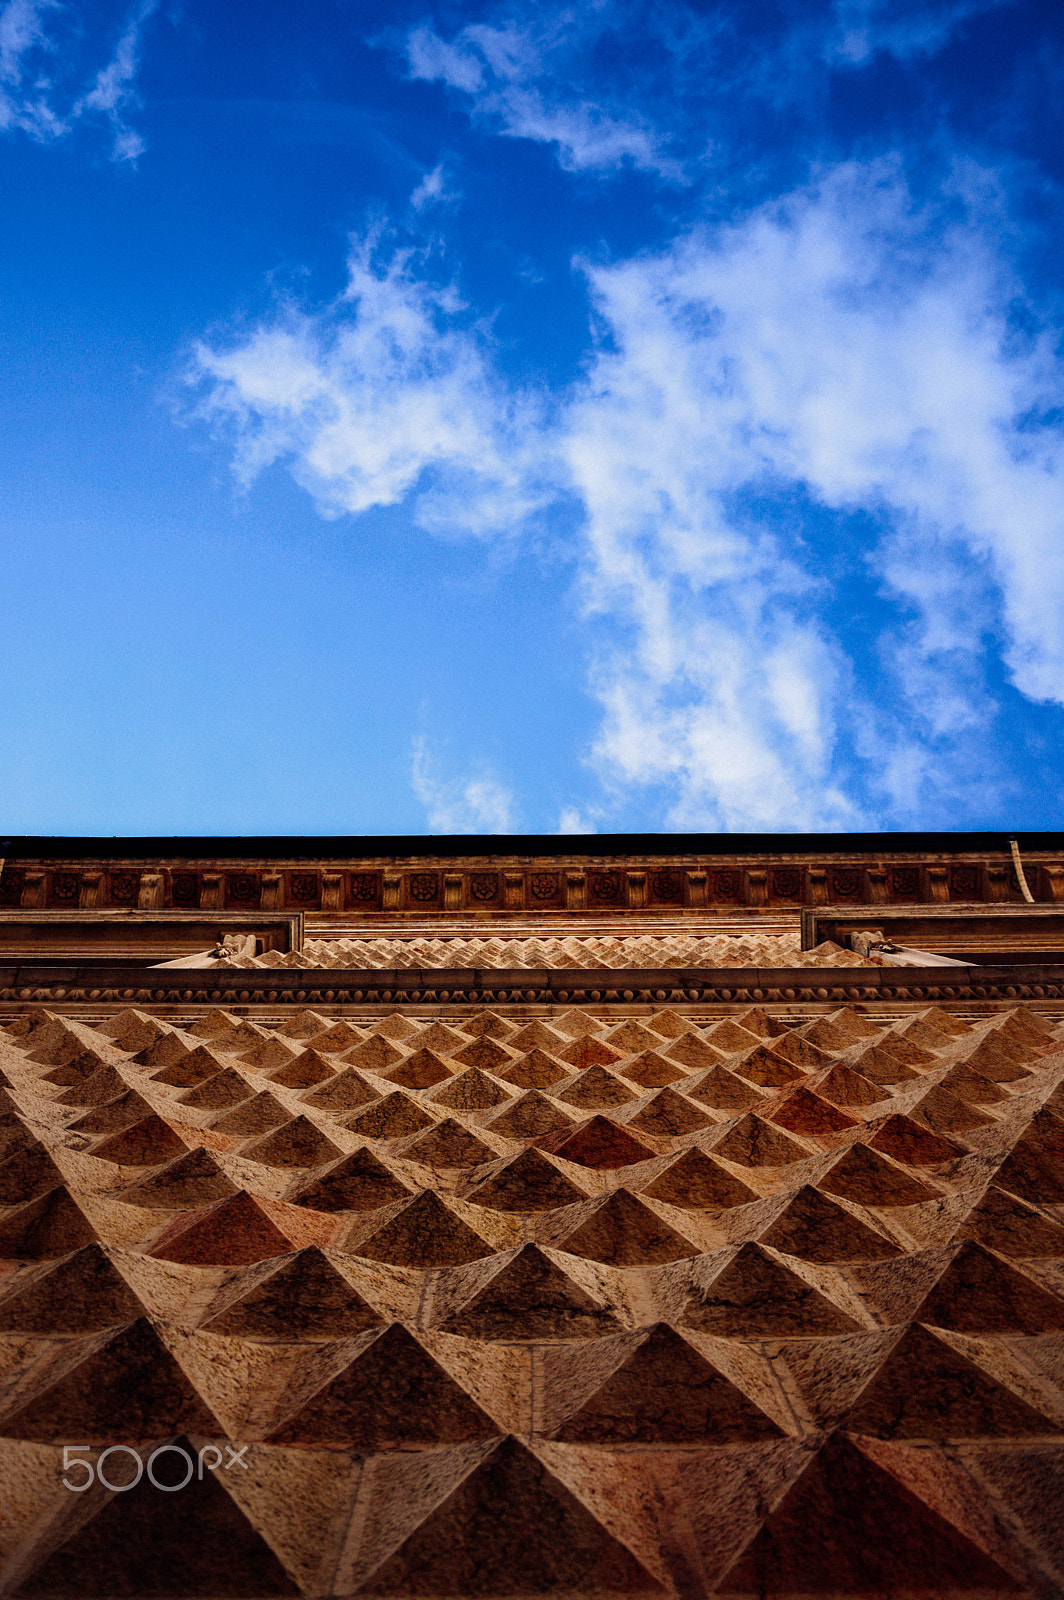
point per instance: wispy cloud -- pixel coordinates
(849, 348)
(835, 393)
(43, 50)
(519, 73)
(387, 392)
(476, 803)
(860, 29)
(661, 86)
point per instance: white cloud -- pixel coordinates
(574, 821)
(433, 190)
(388, 392)
(41, 45)
(901, 28)
(519, 76)
(476, 803)
(841, 351)
(112, 93)
(844, 344)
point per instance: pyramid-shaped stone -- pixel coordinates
(163, 1050)
(817, 1228)
(668, 1115)
(392, 1117)
(391, 1395)
(669, 1024)
(113, 1388)
(302, 1297)
(964, 1081)
(192, 1545)
(538, 1035)
(1009, 1226)
(595, 1089)
(80, 1293)
(303, 1071)
(590, 1052)
(345, 1091)
(801, 1052)
(651, 1070)
(927, 1389)
(360, 1182)
(254, 1116)
(304, 1025)
(662, 1390)
(420, 1070)
(842, 1028)
(511, 1528)
(1034, 1167)
(599, 1143)
(26, 1174)
(905, 1140)
(272, 1054)
(194, 1179)
(869, 1179)
(471, 1090)
(881, 1065)
(486, 1053)
(52, 1225)
(576, 1024)
(102, 1085)
(848, 1527)
(230, 1234)
(979, 1292)
(297, 1143)
(721, 1090)
(754, 1296)
(844, 1087)
(227, 1088)
(447, 1144)
(730, 1037)
(691, 1050)
(630, 1036)
(393, 1026)
(1026, 1025)
(437, 1036)
(489, 1024)
(947, 1113)
(533, 1070)
(531, 1116)
(765, 1068)
(803, 1112)
(121, 1112)
(624, 1232)
(421, 1232)
(374, 1054)
(529, 1297)
(527, 1182)
(188, 1070)
(753, 1142)
(142, 1144)
(999, 1059)
(215, 1024)
(341, 1036)
(697, 1182)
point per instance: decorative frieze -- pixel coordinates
(595, 885)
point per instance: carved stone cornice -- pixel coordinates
(495, 888)
(51, 984)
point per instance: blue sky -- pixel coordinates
(531, 418)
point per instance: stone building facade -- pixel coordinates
(604, 1217)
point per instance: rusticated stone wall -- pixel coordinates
(755, 1303)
